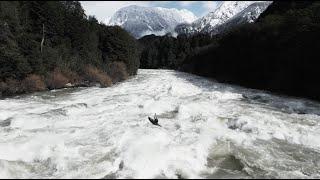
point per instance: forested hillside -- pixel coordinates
(48, 44)
(277, 53)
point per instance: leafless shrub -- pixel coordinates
(93, 74)
(57, 80)
(33, 83)
(117, 71)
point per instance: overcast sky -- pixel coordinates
(103, 10)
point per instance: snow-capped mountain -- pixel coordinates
(226, 11)
(250, 14)
(141, 21)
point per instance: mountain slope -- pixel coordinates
(140, 21)
(222, 14)
(248, 15)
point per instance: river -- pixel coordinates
(209, 130)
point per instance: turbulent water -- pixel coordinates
(209, 130)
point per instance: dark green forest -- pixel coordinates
(168, 52)
(47, 44)
(278, 53)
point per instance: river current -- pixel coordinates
(209, 130)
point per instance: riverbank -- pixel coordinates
(59, 79)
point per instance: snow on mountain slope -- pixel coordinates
(222, 14)
(140, 21)
(250, 14)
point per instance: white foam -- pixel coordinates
(88, 133)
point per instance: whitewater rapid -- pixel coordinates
(209, 130)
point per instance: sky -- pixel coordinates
(103, 10)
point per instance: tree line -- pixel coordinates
(170, 52)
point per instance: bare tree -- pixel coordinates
(42, 41)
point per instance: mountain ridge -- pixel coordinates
(225, 12)
(140, 21)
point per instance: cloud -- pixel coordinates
(103, 10)
(187, 3)
(161, 2)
